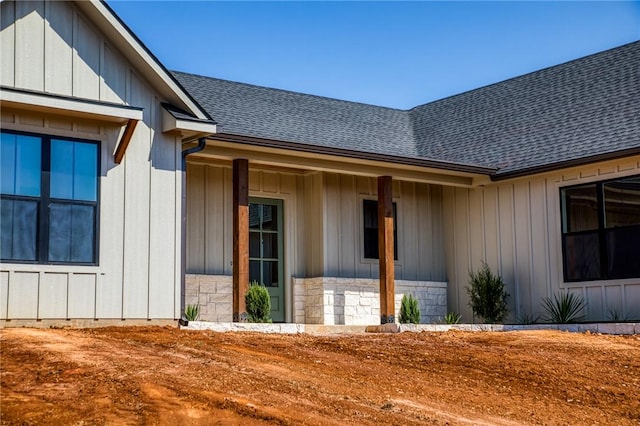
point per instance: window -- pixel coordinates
(601, 230)
(370, 216)
(48, 199)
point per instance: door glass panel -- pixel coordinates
(254, 271)
(269, 218)
(270, 245)
(254, 216)
(622, 202)
(270, 273)
(254, 244)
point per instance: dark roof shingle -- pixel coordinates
(583, 108)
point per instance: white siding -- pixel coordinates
(419, 210)
(210, 216)
(515, 227)
(58, 50)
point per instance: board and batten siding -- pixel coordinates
(323, 223)
(210, 219)
(52, 47)
(419, 228)
(515, 226)
(138, 276)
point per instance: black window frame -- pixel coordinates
(366, 252)
(601, 231)
(44, 200)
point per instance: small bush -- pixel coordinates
(452, 318)
(488, 299)
(258, 303)
(615, 315)
(564, 310)
(409, 310)
(527, 319)
(192, 312)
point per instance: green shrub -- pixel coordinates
(452, 318)
(527, 319)
(192, 312)
(564, 310)
(409, 310)
(258, 303)
(615, 315)
(488, 299)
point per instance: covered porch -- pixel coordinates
(336, 239)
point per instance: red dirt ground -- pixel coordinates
(153, 375)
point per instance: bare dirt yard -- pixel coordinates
(155, 375)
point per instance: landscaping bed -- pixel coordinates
(162, 375)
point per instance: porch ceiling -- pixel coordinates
(217, 150)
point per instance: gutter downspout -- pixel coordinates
(183, 211)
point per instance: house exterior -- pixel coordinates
(129, 191)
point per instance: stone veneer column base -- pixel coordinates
(214, 295)
(356, 301)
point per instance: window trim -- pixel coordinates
(601, 231)
(44, 200)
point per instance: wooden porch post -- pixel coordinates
(240, 238)
(385, 250)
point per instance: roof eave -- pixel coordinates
(566, 164)
(316, 149)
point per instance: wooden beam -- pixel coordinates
(124, 141)
(385, 250)
(240, 238)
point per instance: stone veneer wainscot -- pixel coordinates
(322, 300)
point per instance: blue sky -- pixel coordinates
(394, 54)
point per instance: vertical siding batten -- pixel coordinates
(8, 38)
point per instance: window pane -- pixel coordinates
(371, 244)
(74, 173)
(254, 244)
(254, 271)
(580, 208)
(20, 158)
(254, 216)
(270, 273)
(18, 225)
(622, 202)
(85, 172)
(370, 219)
(71, 233)
(623, 247)
(269, 217)
(270, 245)
(582, 256)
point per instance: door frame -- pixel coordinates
(282, 281)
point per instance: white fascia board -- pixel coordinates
(74, 107)
(133, 48)
(171, 124)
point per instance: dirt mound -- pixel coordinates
(152, 375)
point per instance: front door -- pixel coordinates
(266, 252)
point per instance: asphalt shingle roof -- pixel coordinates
(584, 108)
